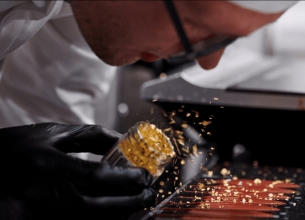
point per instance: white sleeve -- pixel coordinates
(21, 20)
(265, 6)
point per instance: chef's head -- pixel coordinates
(122, 32)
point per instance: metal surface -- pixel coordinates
(246, 86)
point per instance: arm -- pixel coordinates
(21, 20)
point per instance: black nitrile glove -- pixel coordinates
(39, 181)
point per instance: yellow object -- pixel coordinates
(146, 146)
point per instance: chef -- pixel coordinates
(57, 62)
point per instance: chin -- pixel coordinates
(119, 59)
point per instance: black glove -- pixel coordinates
(39, 181)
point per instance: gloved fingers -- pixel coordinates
(92, 178)
(82, 138)
(145, 199)
(114, 181)
(60, 165)
(66, 138)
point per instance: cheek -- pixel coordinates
(210, 61)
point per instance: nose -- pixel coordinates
(210, 61)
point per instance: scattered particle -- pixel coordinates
(184, 125)
(294, 204)
(164, 113)
(161, 183)
(162, 196)
(166, 171)
(180, 110)
(255, 163)
(175, 142)
(160, 190)
(182, 162)
(172, 121)
(224, 171)
(287, 180)
(181, 141)
(221, 107)
(210, 173)
(216, 98)
(163, 75)
(206, 123)
(188, 114)
(182, 106)
(167, 129)
(209, 133)
(200, 152)
(243, 173)
(195, 150)
(154, 100)
(176, 178)
(169, 192)
(257, 181)
(186, 150)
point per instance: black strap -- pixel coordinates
(178, 25)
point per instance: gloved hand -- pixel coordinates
(39, 181)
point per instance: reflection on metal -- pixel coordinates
(248, 86)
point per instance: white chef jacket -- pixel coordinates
(49, 72)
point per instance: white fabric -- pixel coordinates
(265, 6)
(49, 72)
